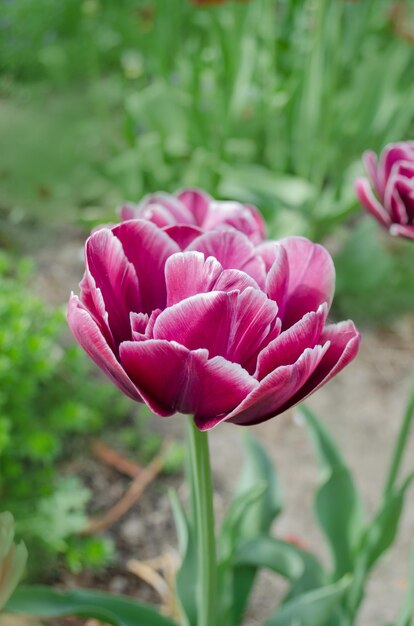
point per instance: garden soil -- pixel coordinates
(362, 408)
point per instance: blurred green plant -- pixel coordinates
(48, 403)
(270, 101)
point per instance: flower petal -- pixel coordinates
(290, 344)
(88, 334)
(165, 207)
(188, 273)
(183, 234)
(370, 202)
(232, 325)
(116, 279)
(311, 278)
(275, 390)
(369, 159)
(399, 230)
(277, 280)
(233, 250)
(242, 217)
(172, 378)
(196, 201)
(147, 248)
(344, 340)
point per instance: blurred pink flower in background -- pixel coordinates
(389, 193)
(190, 212)
(224, 330)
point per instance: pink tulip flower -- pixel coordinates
(389, 193)
(190, 212)
(224, 330)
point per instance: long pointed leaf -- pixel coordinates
(337, 502)
(46, 602)
(314, 608)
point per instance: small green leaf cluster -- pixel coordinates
(48, 402)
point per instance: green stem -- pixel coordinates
(202, 497)
(400, 445)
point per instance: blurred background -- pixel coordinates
(266, 101)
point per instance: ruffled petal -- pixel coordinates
(172, 378)
(277, 280)
(399, 230)
(196, 201)
(370, 202)
(233, 250)
(290, 344)
(275, 390)
(242, 217)
(115, 278)
(147, 248)
(88, 334)
(311, 278)
(232, 325)
(183, 234)
(189, 273)
(344, 340)
(166, 206)
(369, 159)
(390, 156)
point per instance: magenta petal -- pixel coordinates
(233, 250)
(232, 325)
(196, 201)
(344, 340)
(277, 280)
(399, 230)
(369, 160)
(116, 279)
(166, 205)
(390, 156)
(188, 273)
(183, 234)
(128, 211)
(268, 251)
(234, 279)
(370, 202)
(393, 201)
(90, 337)
(289, 345)
(274, 391)
(147, 248)
(311, 278)
(172, 378)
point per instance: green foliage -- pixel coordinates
(369, 260)
(48, 403)
(46, 602)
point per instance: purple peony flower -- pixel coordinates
(389, 193)
(190, 212)
(223, 330)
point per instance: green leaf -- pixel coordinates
(342, 523)
(186, 577)
(46, 602)
(258, 470)
(278, 556)
(231, 527)
(256, 520)
(314, 608)
(382, 531)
